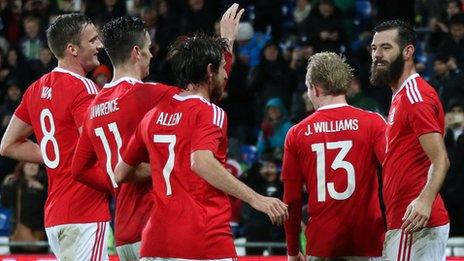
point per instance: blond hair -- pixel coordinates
(330, 71)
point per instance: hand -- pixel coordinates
(417, 215)
(273, 207)
(324, 35)
(10, 179)
(299, 257)
(229, 23)
(35, 184)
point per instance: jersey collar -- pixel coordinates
(61, 70)
(194, 96)
(122, 79)
(332, 106)
(412, 76)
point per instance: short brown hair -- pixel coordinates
(330, 71)
(65, 30)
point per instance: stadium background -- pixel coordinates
(273, 44)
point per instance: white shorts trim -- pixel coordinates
(423, 245)
(129, 252)
(86, 241)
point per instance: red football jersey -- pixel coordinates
(190, 218)
(111, 120)
(415, 110)
(55, 106)
(335, 153)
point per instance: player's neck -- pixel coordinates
(331, 100)
(126, 71)
(408, 71)
(71, 66)
(196, 89)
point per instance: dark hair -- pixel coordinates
(190, 56)
(120, 35)
(64, 30)
(406, 33)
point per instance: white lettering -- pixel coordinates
(105, 108)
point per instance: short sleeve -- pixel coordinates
(208, 132)
(81, 103)
(291, 167)
(135, 152)
(22, 111)
(379, 126)
(423, 118)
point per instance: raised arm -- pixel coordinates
(229, 24)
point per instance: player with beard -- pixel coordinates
(185, 137)
(416, 161)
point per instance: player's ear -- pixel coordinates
(209, 72)
(71, 49)
(317, 90)
(136, 52)
(408, 52)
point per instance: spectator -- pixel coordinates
(301, 12)
(454, 182)
(440, 26)
(324, 26)
(356, 97)
(11, 101)
(101, 75)
(268, 16)
(198, 18)
(44, 64)
(31, 43)
(271, 77)
(453, 45)
(300, 55)
(264, 178)
(25, 193)
(273, 129)
(237, 96)
(250, 44)
(447, 80)
(19, 70)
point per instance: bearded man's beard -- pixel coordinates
(391, 73)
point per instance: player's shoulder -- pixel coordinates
(368, 116)
(418, 91)
(202, 108)
(71, 82)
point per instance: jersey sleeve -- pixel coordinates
(83, 98)
(293, 183)
(291, 166)
(423, 117)
(22, 111)
(228, 60)
(378, 136)
(135, 152)
(85, 166)
(208, 132)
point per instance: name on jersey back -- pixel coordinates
(169, 119)
(332, 126)
(104, 108)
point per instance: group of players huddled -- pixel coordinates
(160, 151)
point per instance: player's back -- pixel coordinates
(338, 150)
(55, 106)
(112, 118)
(190, 217)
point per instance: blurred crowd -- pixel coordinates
(266, 89)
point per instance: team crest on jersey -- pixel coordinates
(391, 116)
